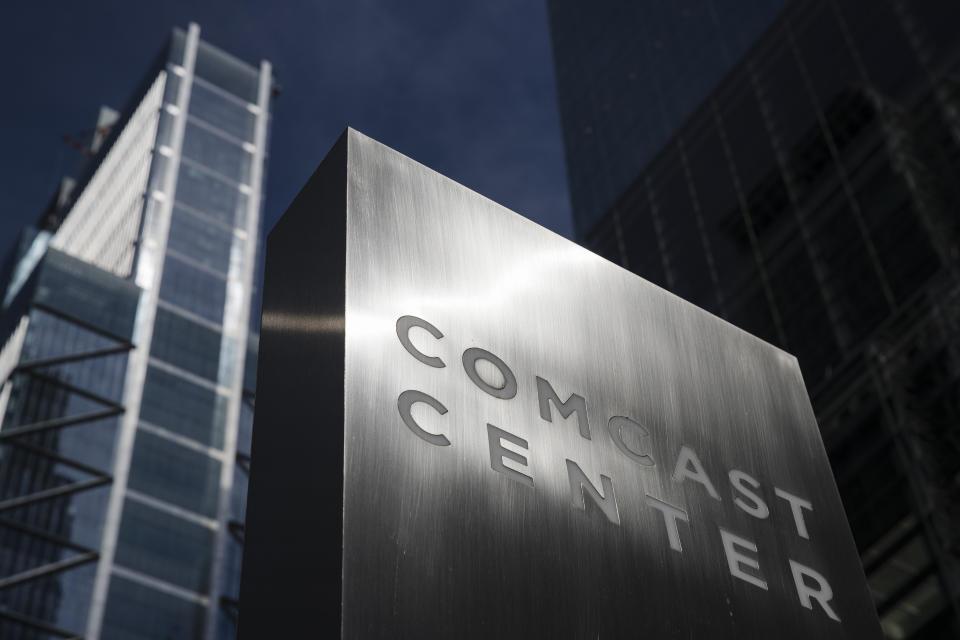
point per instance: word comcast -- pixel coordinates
(630, 438)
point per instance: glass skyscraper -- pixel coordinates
(126, 367)
(810, 197)
(630, 73)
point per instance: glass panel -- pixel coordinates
(876, 499)
(604, 240)
(799, 299)
(87, 293)
(158, 175)
(227, 72)
(173, 473)
(640, 236)
(250, 364)
(62, 599)
(902, 243)
(222, 112)
(209, 195)
(177, 43)
(935, 24)
(34, 399)
(171, 92)
(200, 240)
(869, 556)
(893, 574)
(232, 566)
(197, 291)
(723, 219)
(245, 431)
(782, 90)
(103, 376)
(858, 295)
(256, 294)
(881, 41)
(50, 336)
(923, 603)
(165, 546)
(622, 98)
(178, 405)
(749, 309)
(137, 612)
(186, 344)
(826, 56)
(216, 152)
(681, 237)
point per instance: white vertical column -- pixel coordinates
(235, 330)
(147, 270)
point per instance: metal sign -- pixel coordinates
(468, 426)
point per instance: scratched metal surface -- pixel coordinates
(438, 544)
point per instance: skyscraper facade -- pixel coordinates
(126, 367)
(810, 198)
(630, 73)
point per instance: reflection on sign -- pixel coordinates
(494, 377)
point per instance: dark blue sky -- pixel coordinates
(465, 88)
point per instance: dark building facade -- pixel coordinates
(811, 198)
(644, 66)
(126, 367)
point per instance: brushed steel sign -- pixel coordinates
(468, 426)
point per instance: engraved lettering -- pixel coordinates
(670, 516)
(580, 487)
(505, 392)
(510, 456)
(689, 466)
(822, 594)
(405, 403)
(797, 505)
(737, 561)
(498, 452)
(575, 403)
(615, 426)
(404, 324)
(756, 506)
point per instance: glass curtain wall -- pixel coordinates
(166, 555)
(127, 370)
(811, 199)
(58, 441)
